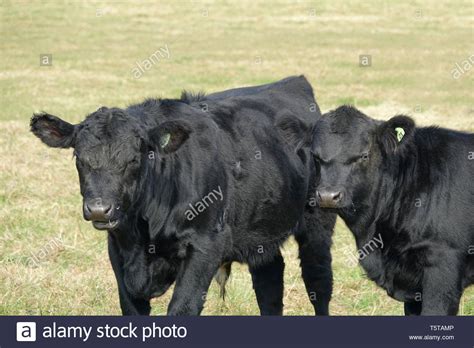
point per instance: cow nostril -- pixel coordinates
(318, 195)
(108, 210)
(337, 196)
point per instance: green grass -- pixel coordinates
(214, 46)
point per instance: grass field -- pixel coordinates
(52, 262)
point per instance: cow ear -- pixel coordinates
(295, 132)
(169, 136)
(394, 134)
(52, 130)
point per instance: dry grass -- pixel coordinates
(213, 46)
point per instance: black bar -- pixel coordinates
(245, 331)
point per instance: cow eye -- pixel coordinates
(365, 156)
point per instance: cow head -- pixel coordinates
(350, 149)
(111, 153)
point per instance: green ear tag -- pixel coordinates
(165, 139)
(400, 133)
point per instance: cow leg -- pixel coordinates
(413, 307)
(267, 282)
(193, 281)
(314, 242)
(441, 287)
(128, 304)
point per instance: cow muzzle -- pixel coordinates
(329, 198)
(103, 214)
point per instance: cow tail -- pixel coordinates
(222, 276)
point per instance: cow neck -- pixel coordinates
(133, 231)
(397, 190)
(168, 190)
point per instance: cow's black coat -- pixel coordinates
(410, 186)
(142, 170)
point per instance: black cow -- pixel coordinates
(186, 186)
(406, 194)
